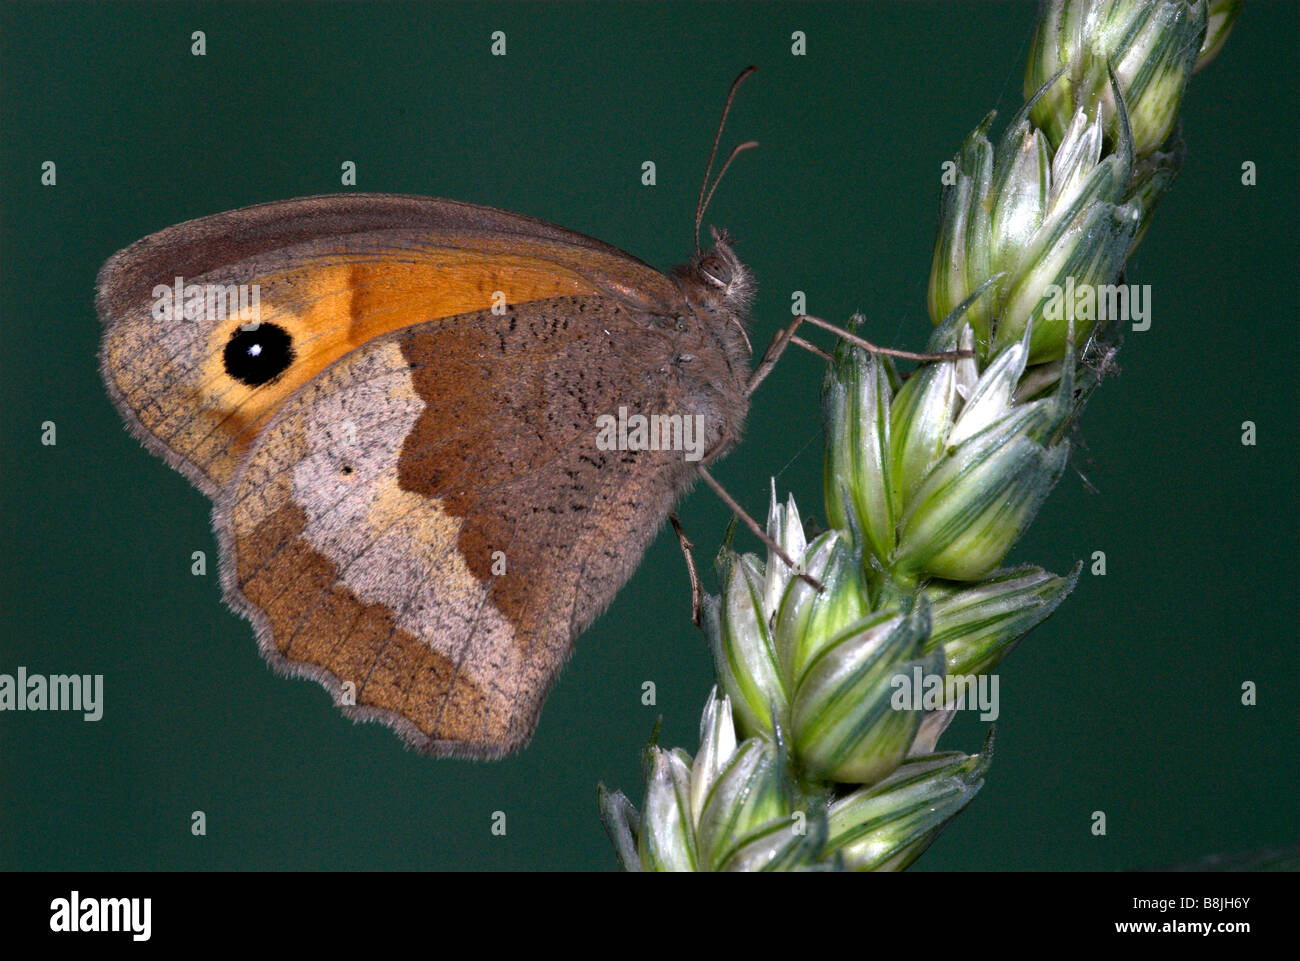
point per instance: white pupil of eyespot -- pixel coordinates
(254, 350)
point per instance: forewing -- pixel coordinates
(334, 272)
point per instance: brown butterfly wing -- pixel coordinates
(416, 512)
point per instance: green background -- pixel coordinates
(1127, 701)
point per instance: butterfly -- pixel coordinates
(401, 409)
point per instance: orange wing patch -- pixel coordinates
(332, 306)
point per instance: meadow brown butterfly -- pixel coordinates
(417, 421)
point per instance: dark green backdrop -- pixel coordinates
(1127, 701)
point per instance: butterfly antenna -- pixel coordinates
(706, 194)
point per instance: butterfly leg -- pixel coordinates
(757, 528)
(786, 337)
(782, 340)
(875, 349)
(697, 592)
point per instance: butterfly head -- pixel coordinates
(715, 281)
(720, 289)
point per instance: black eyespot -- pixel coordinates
(347, 469)
(259, 355)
